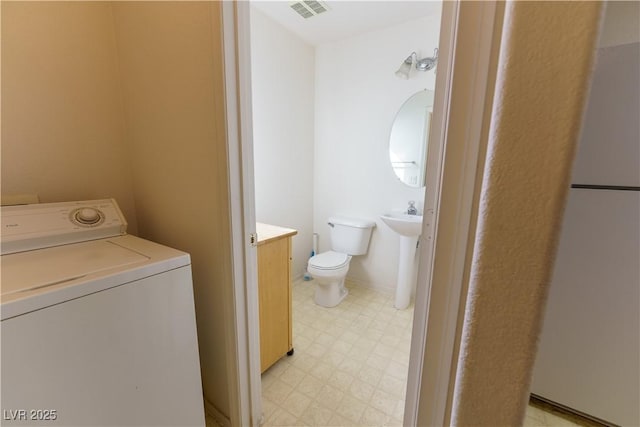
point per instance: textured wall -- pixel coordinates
(541, 89)
(171, 63)
(62, 123)
(125, 100)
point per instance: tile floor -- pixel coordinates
(350, 365)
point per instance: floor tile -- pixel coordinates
(310, 386)
(377, 361)
(296, 403)
(316, 415)
(340, 380)
(280, 417)
(373, 417)
(361, 390)
(292, 376)
(397, 370)
(278, 391)
(350, 365)
(370, 375)
(384, 401)
(339, 421)
(322, 371)
(330, 396)
(304, 362)
(392, 385)
(351, 409)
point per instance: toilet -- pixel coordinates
(349, 237)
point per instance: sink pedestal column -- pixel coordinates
(406, 271)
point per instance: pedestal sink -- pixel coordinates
(409, 228)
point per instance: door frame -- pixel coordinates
(469, 49)
(243, 328)
(461, 118)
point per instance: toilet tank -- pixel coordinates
(350, 235)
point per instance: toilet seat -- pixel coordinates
(329, 260)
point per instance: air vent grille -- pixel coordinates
(309, 8)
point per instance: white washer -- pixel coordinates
(98, 327)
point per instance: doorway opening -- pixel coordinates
(324, 106)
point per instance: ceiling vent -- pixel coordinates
(310, 8)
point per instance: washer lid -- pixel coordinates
(26, 271)
(41, 278)
(329, 260)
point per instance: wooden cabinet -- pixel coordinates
(274, 289)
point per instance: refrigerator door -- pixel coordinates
(588, 357)
(609, 151)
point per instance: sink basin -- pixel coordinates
(403, 224)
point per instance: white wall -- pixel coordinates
(357, 98)
(283, 95)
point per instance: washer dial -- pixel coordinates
(87, 216)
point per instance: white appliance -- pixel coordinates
(589, 353)
(98, 327)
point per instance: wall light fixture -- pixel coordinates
(424, 64)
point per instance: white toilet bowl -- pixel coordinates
(329, 270)
(348, 237)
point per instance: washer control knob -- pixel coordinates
(88, 216)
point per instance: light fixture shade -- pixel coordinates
(405, 69)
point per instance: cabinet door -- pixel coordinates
(274, 299)
(609, 150)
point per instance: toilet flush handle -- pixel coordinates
(331, 224)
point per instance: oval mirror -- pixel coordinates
(409, 138)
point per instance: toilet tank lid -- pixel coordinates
(352, 222)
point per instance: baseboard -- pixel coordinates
(567, 413)
(351, 281)
(217, 416)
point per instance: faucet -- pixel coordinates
(411, 210)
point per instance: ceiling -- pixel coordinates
(345, 18)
